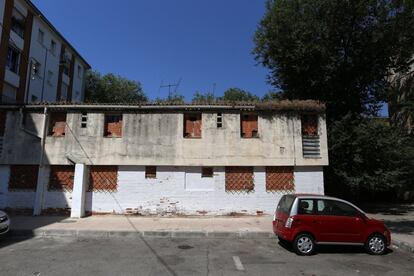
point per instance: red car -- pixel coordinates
(310, 220)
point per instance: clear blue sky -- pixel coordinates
(202, 42)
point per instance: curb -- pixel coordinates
(23, 233)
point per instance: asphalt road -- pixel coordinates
(165, 256)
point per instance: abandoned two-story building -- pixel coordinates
(160, 159)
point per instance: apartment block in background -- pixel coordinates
(37, 64)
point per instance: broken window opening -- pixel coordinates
(57, 124)
(207, 172)
(192, 125)
(249, 126)
(150, 172)
(219, 120)
(84, 120)
(113, 125)
(309, 125)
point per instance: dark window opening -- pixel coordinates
(23, 177)
(84, 120)
(18, 23)
(309, 125)
(3, 117)
(249, 126)
(207, 172)
(150, 172)
(13, 59)
(113, 125)
(219, 120)
(57, 124)
(192, 125)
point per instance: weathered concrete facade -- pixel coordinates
(153, 136)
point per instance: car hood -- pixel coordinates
(374, 221)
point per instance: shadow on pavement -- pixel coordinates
(395, 209)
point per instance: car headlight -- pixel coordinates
(3, 219)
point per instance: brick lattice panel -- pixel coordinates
(239, 179)
(61, 178)
(309, 125)
(279, 179)
(23, 177)
(103, 178)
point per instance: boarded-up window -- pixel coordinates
(3, 116)
(150, 172)
(239, 179)
(249, 126)
(57, 124)
(23, 177)
(207, 172)
(309, 125)
(192, 125)
(103, 178)
(61, 178)
(279, 179)
(113, 125)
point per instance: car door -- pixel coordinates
(305, 218)
(338, 222)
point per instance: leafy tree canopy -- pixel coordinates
(112, 89)
(339, 52)
(237, 94)
(200, 97)
(175, 98)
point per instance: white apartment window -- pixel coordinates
(36, 69)
(79, 71)
(53, 47)
(50, 77)
(40, 36)
(64, 92)
(13, 58)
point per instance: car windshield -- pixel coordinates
(285, 203)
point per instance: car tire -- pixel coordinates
(304, 245)
(376, 244)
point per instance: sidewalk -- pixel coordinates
(112, 226)
(399, 218)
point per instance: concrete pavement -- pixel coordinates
(179, 256)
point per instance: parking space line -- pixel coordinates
(238, 263)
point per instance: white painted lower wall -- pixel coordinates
(181, 190)
(176, 190)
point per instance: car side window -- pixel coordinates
(335, 208)
(305, 207)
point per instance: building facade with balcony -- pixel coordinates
(37, 64)
(160, 159)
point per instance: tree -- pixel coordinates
(238, 95)
(339, 52)
(173, 98)
(112, 89)
(200, 97)
(364, 168)
(272, 96)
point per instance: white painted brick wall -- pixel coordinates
(180, 190)
(176, 190)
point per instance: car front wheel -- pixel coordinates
(376, 245)
(304, 245)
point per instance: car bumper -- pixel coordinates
(281, 231)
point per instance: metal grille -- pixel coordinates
(23, 177)
(61, 178)
(239, 179)
(103, 178)
(311, 146)
(279, 179)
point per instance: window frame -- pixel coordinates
(107, 116)
(244, 117)
(313, 206)
(188, 116)
(356, 214)
(15, 62)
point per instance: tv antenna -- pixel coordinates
(170, 86)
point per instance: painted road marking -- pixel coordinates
(238, 263)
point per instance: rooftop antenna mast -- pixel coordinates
(176, 85)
